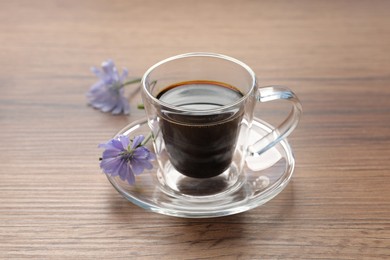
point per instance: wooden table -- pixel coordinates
(56, 204)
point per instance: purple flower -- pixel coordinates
(126, 158)
(108, 94)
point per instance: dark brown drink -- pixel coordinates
(200, 146)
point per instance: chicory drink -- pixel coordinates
(201, 145)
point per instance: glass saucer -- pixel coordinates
(264, 177)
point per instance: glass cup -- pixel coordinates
(200, 108)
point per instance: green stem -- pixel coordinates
(147, 139)
(137, 80)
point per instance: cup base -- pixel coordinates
(174, 183)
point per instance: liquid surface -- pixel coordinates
(200, 95)
(200, 146)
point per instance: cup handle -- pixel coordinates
(270, 93)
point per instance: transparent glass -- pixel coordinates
(201, 133)
(266, 176)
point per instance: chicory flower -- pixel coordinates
(126, 158)
(107, 94)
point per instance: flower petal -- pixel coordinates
(96, 71)
(141, 153)
(124, 141)
(130, 175)
(147, 164)
(115, 74)
(124, 75)
(107, 106)
(117, 109)
(116, 169)
(123, 170)
(110, 153)
(108, 66)
(113, 144)
(151, 156)
(95, 88)
(110, 165)
(137, 141)
(125, 105)
(137, 166)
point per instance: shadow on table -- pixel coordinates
(227, 235)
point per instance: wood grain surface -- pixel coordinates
(56, 204)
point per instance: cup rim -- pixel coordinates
(199, 54)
